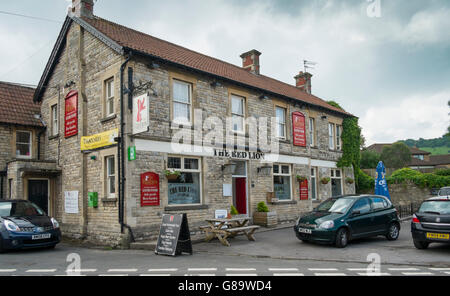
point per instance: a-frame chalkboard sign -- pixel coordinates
(174, 236)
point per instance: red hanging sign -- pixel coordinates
(71, 114)
(304, 190)
(150, 189)
(298, 129)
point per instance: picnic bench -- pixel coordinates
(223, 229)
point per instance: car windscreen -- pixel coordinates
(436, 206)
(333, 205)
(444, 191)
(19, 209)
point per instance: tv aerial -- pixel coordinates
(308, 65)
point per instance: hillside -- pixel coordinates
(437, 146)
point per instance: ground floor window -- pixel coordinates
(110, 177)
(282, 181)
(336, 182)
(186, 188)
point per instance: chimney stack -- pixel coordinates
(303, 81)
(82, 8)
(250, 61)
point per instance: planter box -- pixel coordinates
(269, 219)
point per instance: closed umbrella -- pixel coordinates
(381, 187)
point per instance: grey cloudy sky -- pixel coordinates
(390, 67)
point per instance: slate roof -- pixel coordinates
(17, 106)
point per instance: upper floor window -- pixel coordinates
(338, 137)
(182, 101)
(109, 97)
(280, 114)
(238, 113)
(54, 120)
(312, 137)
(331, 136)
(23, 144)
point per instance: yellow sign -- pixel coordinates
(99, 140)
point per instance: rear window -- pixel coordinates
(444, 192)
(438, 206)
(380, 203)
(19, 209)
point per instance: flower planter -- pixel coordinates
(266, 219)
(172, 177)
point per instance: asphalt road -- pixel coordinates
(275, 253)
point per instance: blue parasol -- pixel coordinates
(381, 187)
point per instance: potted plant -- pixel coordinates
(325, 180)
(234, 211)
(300, 179)
(349, 180)
(172, 175)
(264, 217)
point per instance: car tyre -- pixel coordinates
(342, 237)
(421, 245)
(393, 232)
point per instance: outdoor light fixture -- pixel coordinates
(229, 168)
(263, 97)
(265, 170)
(215, 84)
(324, 117)
(153, 65)
(69, 83)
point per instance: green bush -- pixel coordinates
(442, 172)
(234, 211)
(262, 207)
(422, 180)
(364, 182)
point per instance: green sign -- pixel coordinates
(132, 153)
(93, 199)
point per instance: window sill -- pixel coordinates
(108, 118)
(109, 200)
(53, 137)
(186, 208)
(285, 202)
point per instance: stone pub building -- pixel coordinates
(129, 119)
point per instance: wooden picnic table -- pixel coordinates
(225, 228)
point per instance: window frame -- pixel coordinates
(109, 85)
(108, 177)
(338, 136)
(314, 174)
(312, 134)
(242, 116)
(281, 174)
(30, 144)
(331, 136)
(333, 176)
(184, 170)
(54, 113)
(284, 123)
(190, 104)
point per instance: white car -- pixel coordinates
(444, 191)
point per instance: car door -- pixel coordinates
(359, 218)
(380, 214)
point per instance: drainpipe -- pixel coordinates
(121, 153)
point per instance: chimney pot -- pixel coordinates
(83, 8)
(303, 81)
(250, 61)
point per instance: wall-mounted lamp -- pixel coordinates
(69, 83)
(215, 84)
(265, 170)
(263, 97)
(153, 65)
(229, 168)
(324, 117)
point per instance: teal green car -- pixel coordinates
(341, 219)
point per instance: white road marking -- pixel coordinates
(283, 269)
(288, 274)
(240, 269)
(123, 270)
(329, 274)
(113, 274)
(41, 270)
(357, 269)
(404, 269)
(200, 274)
(8, 270)
(439, 269)
(241, 274)
(156, 274)
(322, 269)
(374, 274)
(447, 272)
(202, 269)
(163, 270)
(81, 270)
(417, 273)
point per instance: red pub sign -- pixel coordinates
(304, 190)
(150, 189)
(298, 129)
(71, 114)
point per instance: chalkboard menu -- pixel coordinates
(174, 236)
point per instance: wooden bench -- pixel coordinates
(223, 233)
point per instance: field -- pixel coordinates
(437, 150)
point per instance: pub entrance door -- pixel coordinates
(240, 196)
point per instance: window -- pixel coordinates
(282, 181)
(420, 156)
(362, 205)
(109, 97)
(336, 182)
(379, 203)
(238, 113)
(186, 189)
(280, 114)
(314, 184)
(10, 185)
(331, 136)
(110, 177)
(23, 144)
(338, 137)
(54, 120)
(182, 93)
(311, 132)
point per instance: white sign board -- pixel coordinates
(141, 113)
(71, 202)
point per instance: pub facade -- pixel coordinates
(146, 127)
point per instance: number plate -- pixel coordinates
(41, 236)
(304, 230)
(438, 235)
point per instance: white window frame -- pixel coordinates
(30, 145)
(338, 137)
(55, 119)
(314, 171)
(241, 116)
(109, 176)
(183, 170)
(178, 120)
(109, 97)
(280, 173)
(331, 135)
(333, 176)
(279, 122)
(312, 137)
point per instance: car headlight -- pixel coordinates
(326, 225)
(11, 226)
(55, 223)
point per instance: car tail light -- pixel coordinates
(415, 219)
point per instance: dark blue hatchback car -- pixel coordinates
(25, 225)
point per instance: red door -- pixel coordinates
(241, 195)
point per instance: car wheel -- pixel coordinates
(420, 244)
(342, 238)
(393, 232)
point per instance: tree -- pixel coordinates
(369, 159)
(396, 156)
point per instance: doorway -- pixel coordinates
(240, 200)
(38, 193)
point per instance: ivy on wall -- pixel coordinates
(351, 140)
